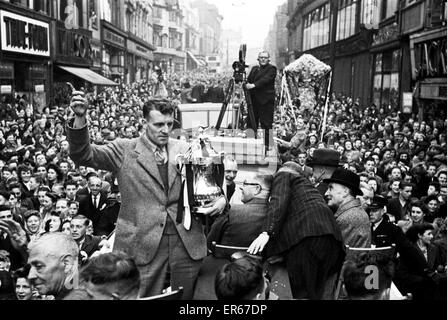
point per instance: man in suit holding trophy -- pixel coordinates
(151, 226)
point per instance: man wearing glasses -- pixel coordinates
(244, 222)
(261, 83)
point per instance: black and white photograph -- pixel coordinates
(223, 155)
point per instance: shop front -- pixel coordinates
(386, 54)
(25, 57)
(73, 62)
(429, 64)
(113, 52)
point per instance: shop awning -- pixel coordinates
(89, 75)
(199, 63)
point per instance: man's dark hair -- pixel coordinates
(419, 204)
(241, 279)
(436, 185)
(403, 184)
(418, 229)
(70, 183)
(163, 105)
(81, 217)
(111, 267)
(21, 272)
(4, 208)
(29, 213)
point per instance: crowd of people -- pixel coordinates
(383, 174)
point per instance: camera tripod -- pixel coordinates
(237, 89)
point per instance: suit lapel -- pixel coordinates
(173, 171)
(146, 159)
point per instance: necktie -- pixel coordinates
(159, 156)
(95, 201)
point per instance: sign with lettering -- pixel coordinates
(39, 88)
(72, 43)
(24, 35)
(114, 38)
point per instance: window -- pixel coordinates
(157, 36)
(346, 19)
(158, 13)
(316, 27)
(172, 37)
(370, 13)
(389, 8)
(386, 79)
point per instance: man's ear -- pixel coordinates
(70, 264)
(258, 189)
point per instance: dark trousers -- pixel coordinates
(173, 261)
(264, 117)
(312, 265)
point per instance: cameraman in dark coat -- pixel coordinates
(261, 83)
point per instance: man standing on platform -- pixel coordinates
(152, 228)
(261, 83)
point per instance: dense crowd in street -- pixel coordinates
(400, 164)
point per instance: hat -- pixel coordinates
(325, 157)
(378, 202)
(346, 178)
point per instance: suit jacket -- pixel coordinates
(354, 224)
(240, 225)
(90, 244)
(145, 202)
(388, 233)
(394, 208)
(17, 261)
(198, 93)
(264, 80)
(88, 209)
(108, 218)
(297, 211)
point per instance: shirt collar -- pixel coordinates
(153, 146)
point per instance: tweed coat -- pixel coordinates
(145, 202)
(354, 224)
(296, 211)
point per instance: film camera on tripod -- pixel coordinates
(237, 90)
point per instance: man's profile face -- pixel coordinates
(47, 272)
(159, 126)
(406, 193)
(335, 195)
(366, 198)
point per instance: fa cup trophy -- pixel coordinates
(203, 173)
